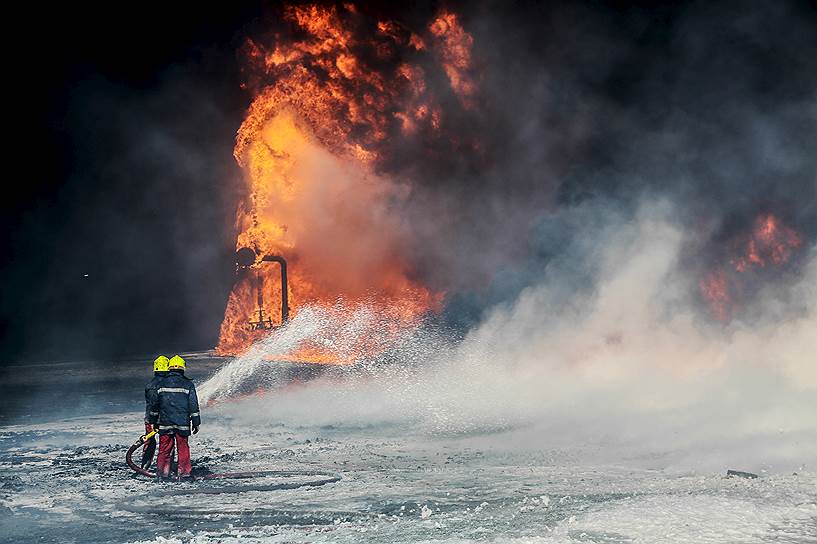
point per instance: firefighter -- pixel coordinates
(159, 371)
(178, 407)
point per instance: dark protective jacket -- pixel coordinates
(150, 393)
(176, 403)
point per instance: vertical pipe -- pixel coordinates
(259, 288)
(284, 293)
(284, 287)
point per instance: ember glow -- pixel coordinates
(715, 290)
(454, 45)
(327, 104)
(770, 244)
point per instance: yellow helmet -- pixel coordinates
(176, 362)
(160, 364)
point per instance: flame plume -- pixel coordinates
(328, 107)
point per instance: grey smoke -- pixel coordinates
(625, 150)
(618, 364)
(709, 106)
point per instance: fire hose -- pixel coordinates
(136, 445)
(327, 478)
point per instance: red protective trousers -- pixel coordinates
(166, 450)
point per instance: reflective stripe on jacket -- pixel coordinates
(177, 404)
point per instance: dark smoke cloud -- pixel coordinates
(712, 106)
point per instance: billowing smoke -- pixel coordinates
(493, 117)
(605, 350)
(712, 108)
(572, 209)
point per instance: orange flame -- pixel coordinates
(769, 243)
(310, 145)
(454, 44)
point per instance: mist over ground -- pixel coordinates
(624, 157)
(617, 357)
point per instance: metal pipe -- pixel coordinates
(259, 292)
(284, 290)
(246, 258)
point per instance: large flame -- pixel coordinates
(325, 107)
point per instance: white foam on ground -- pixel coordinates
(698, 519)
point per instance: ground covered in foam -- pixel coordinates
(67, 481)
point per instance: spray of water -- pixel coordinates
(338, 330)
(626, 360)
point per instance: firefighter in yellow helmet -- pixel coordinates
(178, 410)
(159, 371)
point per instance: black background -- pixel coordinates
(122, 118)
